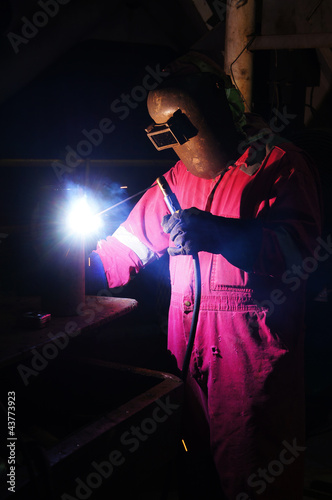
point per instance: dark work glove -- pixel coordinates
(193, 230)
(188, 229)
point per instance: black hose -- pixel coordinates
(194, 320)
(173, 206)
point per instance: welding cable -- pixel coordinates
(173, 205)
(194, 320)
(197, 302)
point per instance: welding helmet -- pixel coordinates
(192, 115)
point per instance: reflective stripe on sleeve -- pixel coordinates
(131, 241)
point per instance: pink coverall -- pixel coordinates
(246, 372)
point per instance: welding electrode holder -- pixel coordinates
(170, 199)
(173, 206)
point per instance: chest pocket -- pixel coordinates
(225, 276)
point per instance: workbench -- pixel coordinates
(77, 416)
(16, 341)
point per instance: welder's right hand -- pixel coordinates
(173, 225)
(189, 229)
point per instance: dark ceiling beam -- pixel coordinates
(291, 42)
(27, 49)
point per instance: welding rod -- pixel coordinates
(170, 199)
(124, 201)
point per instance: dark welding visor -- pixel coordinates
(177, 130)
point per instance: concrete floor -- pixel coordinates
(318, 473)
(318, 470)
(147, 348)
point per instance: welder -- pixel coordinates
(250, 209)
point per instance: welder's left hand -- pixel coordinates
(191, 230)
